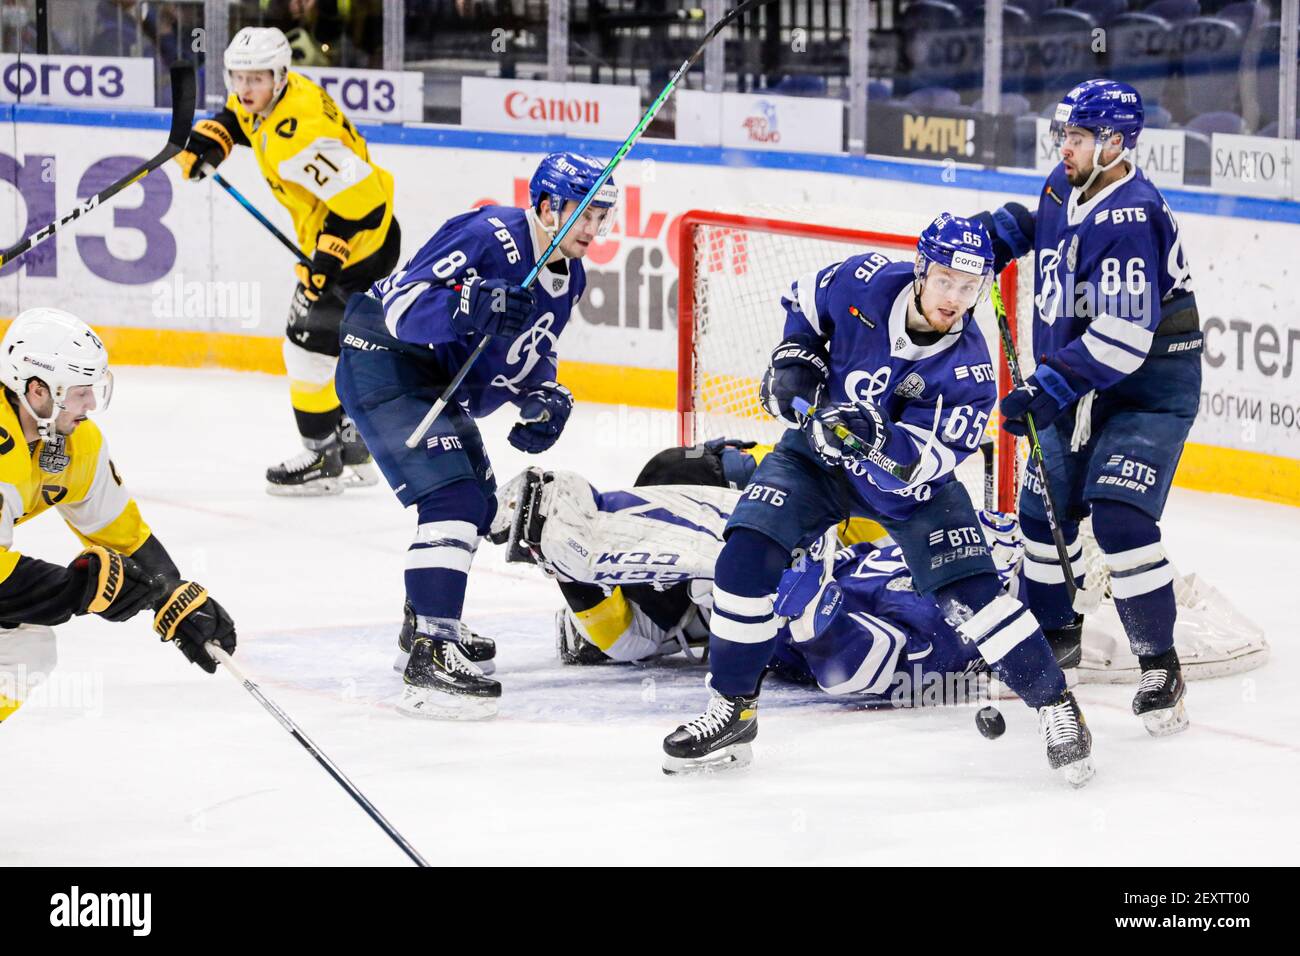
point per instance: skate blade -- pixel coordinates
(1078, 773)
(1167, 722)
(438, 705)
(735, 757)
(360, 476)
(320, 488)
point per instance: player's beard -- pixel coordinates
(1078, 177)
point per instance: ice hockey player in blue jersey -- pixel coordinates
(901, 384)
(401, 345)
(1118, 341)
(635, 568)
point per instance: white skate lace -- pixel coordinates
(713, 719)
(1153, 679)
(458, 663)
(1058, 724)
(301, 461)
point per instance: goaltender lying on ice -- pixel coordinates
(635, 568)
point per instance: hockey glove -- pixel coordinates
(1045, 394)
(799, 367)
(864, 421)
(209, 143)
(328, 261)
(112, 585)
(542, 415)
(1011, 227)
(492, 307)
(881, 446)
(189, 618)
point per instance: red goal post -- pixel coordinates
(733, 270)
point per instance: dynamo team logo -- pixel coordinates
(527, 350)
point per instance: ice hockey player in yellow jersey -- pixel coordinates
(54, 372)
(319, 168)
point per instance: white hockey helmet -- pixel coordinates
(60, 350)
(260, 48)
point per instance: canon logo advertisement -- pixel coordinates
(534, 106)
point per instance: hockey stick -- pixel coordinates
(257, 214)
(1035, 449)
(271, 228)
(842, 432)
(220, 655)
(445, 398)
(182, 118)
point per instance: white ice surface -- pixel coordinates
(136, 757)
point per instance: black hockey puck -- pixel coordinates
(990, 722)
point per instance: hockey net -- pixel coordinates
(735, 266)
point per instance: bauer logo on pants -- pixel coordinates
(961, 543)
(1127, 473)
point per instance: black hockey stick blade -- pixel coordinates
(182, 73)
(184, 98)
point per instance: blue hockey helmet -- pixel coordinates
(565, 176)
(962, 245)
(1106, 107)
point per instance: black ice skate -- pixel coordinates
(573, 648)
(442, 684)
(1159, 699)
(316, 470)
(479, 650)
(1067, 647)
(718, 739)
(1069, 742)
(358, 467)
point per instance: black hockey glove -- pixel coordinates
(189, 618)
(208, 145)
(798, 369)
(112, 585)
(328, 261)
(542, 415)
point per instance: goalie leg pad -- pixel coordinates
(657, 535)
